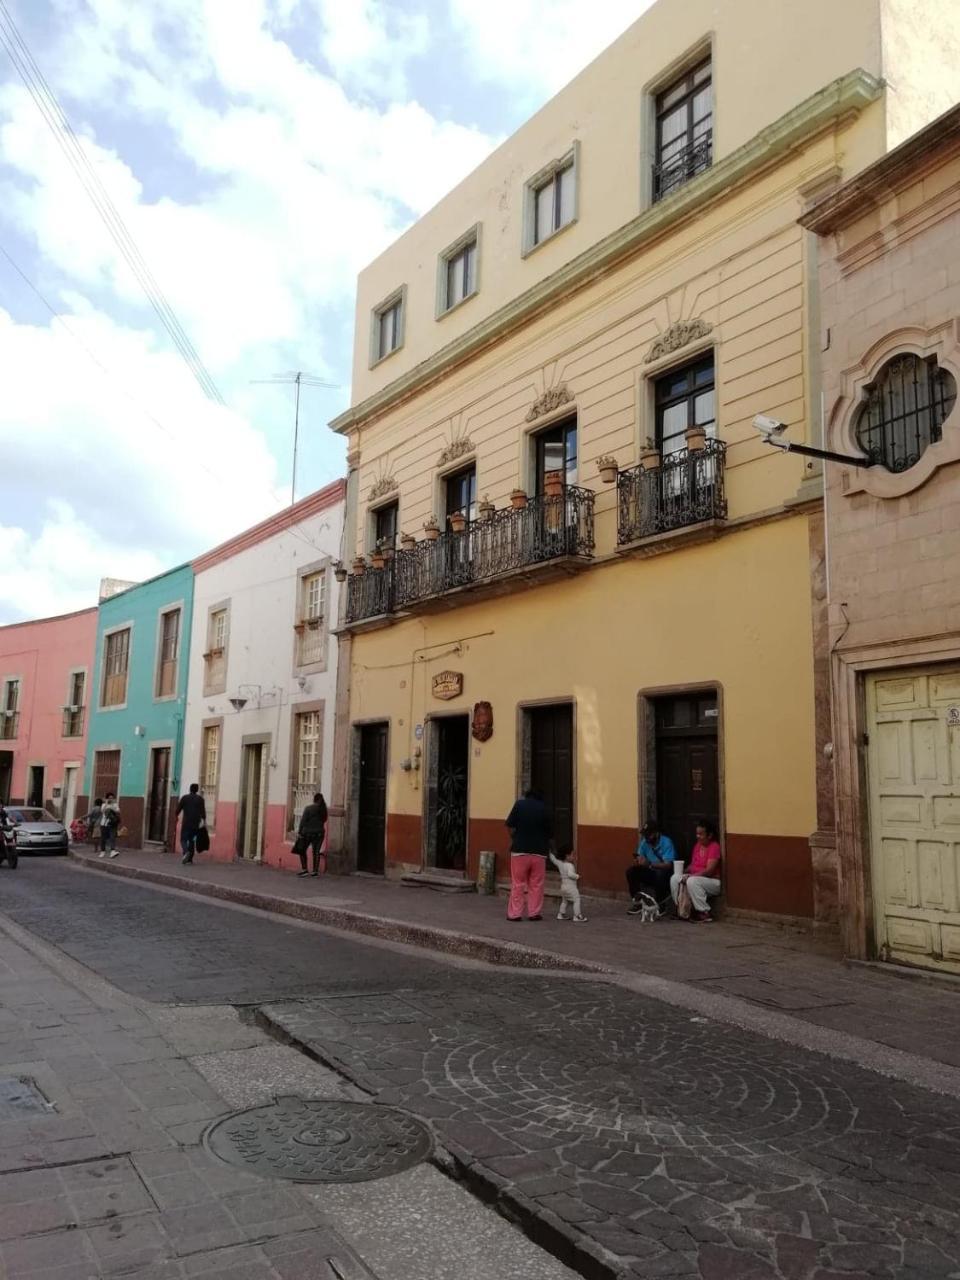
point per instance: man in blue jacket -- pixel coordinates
(652, 867)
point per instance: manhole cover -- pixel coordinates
(309, 1140)
(19, 1094)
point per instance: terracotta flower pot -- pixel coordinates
(650, 459)
(486, 510)
(431, 532)
(608, 475)
(696, 438)
(553, 484)
(376, 559)
(340, 572)
(518, 499)
(458, 522)
(359, 566)
(408, 542)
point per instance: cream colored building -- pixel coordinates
(890, 322)
(628, 265)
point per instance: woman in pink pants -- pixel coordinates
(531, 834)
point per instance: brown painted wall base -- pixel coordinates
(769, 873)
(404, 843)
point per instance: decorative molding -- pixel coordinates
(550, 400)
(678, 335)
(455, 449)
(383, 486)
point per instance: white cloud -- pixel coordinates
(368, 43)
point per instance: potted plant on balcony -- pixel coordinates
(359, 566)
(376, 557)
(458, 521)
(407, 541)
(518, 499)
(650, 457)
(608, 469)
(553, 484)
(431, 529)
(388, 549)
(486, 508)
(340, 571)
(696, 438)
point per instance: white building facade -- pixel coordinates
(262, 694)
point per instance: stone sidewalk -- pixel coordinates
(780, 971)
(103, 1101)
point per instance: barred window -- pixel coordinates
(904, 411)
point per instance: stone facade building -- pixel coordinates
(890, 339)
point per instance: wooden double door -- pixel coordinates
(688, 790)
(372, 799)
(550, 731)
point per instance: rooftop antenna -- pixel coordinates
(298, 379)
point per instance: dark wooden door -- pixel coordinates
(158, 800)
(35, 786)
(447, 801)
(372, 824)
(551, 765)
(687, 773)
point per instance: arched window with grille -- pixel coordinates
(904, 411)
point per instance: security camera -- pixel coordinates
(769, 426)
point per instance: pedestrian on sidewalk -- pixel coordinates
(192, 812)
(310, 835)
(92, 822)
(652, 868)
(531, 836)
(569, 892)
(702, 876)
(109, 825)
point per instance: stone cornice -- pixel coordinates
(849, 95)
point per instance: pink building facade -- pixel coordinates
(45, 681)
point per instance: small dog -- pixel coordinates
(649, 910)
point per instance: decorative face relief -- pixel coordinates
(483, 722)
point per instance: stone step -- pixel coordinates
(445, 882)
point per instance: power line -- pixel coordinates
(46, 101)
(298, 379)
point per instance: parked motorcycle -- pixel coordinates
(8, 844)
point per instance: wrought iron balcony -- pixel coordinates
(686, 489)
(9, 724)
(682, 166)
(548, 531)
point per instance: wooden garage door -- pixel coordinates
(914, 788)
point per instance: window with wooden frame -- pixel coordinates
(684, 143)
(106, 774)
(215, 658)
(73, 712)
(556, 450)
(384, 526)
(308, 733)
(10, 711)
(310, 622)
(460, 493)
(388, 327)
(210, 769)
(552, 202)
(169, 653)
(116, 664)
(458, 273)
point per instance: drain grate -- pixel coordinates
(309, 1140)
(19, 1094)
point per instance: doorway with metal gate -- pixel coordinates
(158, 795)
(370, 775)
(680, 763)
(445, 792)
(253, 799)
(547, 763)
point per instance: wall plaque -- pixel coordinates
(447, 685)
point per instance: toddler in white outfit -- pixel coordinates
(569, 893)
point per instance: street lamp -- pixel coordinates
(772, 431)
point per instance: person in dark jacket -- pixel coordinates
(192, 812)
(531, 839)
(310, 834)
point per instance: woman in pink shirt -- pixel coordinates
(702, 876)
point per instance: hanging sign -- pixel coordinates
(447, 685)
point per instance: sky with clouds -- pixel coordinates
(259, 152)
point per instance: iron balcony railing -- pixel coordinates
(682, 166)
(9, 724)
(547, 528)
(686, 489)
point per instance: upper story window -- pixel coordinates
(551, 200)
(10, 710)
(73, 711)
(210, 769)
(388, 324)
(384, 526)
(685, 398)
(215, 658)
(169, 653)
(458, 272)
(684, 144)
(460, 492)
(313, 607)
(904, 410)
(116, 663)
(556, 450)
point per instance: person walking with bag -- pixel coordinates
(531, 835)
(310, 835)
(192, 812)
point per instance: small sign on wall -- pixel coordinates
(447, 685)
(953, 717)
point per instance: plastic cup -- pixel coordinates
(678, 868)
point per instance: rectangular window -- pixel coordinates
(106, 774)
(215, 658)
(387, 327)
(384, 527)
(310, 632)
(684, 144)
(461, 493)
(554, 203)
(116, 662)
(556, 450)
(685, 398)
(459, 273)
(306, 771)
(10, 717)
(169, 653)
(73, 711)
(210, 769)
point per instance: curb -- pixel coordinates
(446, 941)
